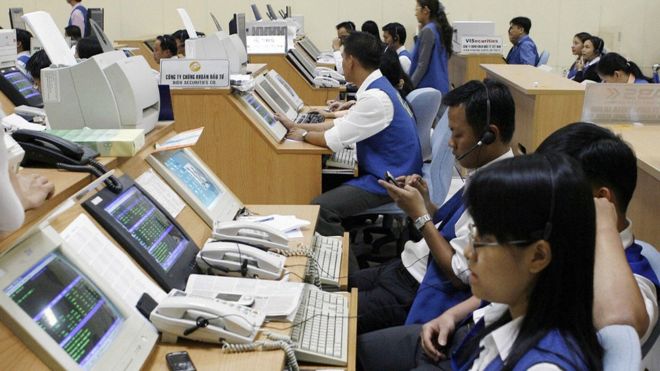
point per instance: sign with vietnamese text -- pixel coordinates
(194, 73)
(271, 44)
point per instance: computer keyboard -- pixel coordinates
(326, 253)
(321, 334)
(345, 159)
(310, 118)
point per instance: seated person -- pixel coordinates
(88, 47)
(181, 36)
(613, 68)
(343, 30)
(394, 36)
(531, 254)
(372, 28)
(23, 43)
(386, 292)
(380, 125)
(523, 50)
(164, 48)
(576, 49)
(38, 61)
(587, 67)
(73, 32)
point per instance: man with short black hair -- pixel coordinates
(380, 125)
(181, 36)
(164, 48)
(394, 36)
(343, 30)
(23, 43)
(524, 49)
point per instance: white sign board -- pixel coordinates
(480, 45)
(275, 44)
(621, 103)
(194, 73)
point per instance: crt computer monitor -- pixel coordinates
(285, 89)
(291, 56)
(305, 60)
(310, 48)
(150, 43)
(147, 232)
(274, 99)
(195, 182)
(20, 91)
(71, 318)
(15, 18)
(260, 112)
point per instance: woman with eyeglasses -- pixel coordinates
(532, 253)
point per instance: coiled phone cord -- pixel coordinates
(275, 341)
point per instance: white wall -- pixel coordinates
(629, 27)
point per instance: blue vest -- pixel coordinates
(437, 74)
(640, 265)
(395, 149)
(436, 293)
(87, 31)
(23, 59)
(553, 348)
(405, 53)
(641, 81)
(572, 72)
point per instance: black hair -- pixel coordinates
(167, 42)
(391, 68)
(516, 199)
(611, 62)
(181, 35)
(73, 32)
(348, 25)
(523, 22)
(36, 63)
(472, 96)
(598, 43)
(439, 17)
(606, 159)
(371, 27)
(24, 37)
(397, 31)
(365, 48)
(582, 36)
(88, 47)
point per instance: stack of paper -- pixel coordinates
(288, 224)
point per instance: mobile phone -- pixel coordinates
(179, 361)
(390, 179)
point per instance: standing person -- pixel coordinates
(524, 49)
(613, 68)
(79, 17)
(394, 36)
(433, 47)
(576, 48)
(587, 67)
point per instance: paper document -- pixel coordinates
(278, 300)
(187, 23)
(182, 140)
(162, 192)
(284, 223)
(112, 264)
(14, 122)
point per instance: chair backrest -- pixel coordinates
(442, 164)
(621, 348)
(543, 58)
(651, 347)
(425, 103)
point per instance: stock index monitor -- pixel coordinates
(147, 232)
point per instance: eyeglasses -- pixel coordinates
(473, 232)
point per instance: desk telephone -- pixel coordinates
(250, 233)
(327, 72)
(47, 150)
(237, 259)
(205, 319)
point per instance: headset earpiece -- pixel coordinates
(488, 137)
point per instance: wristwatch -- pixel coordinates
(419, 222)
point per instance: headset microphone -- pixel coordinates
(486, 139)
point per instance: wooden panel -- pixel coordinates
(311, 95)
(466, 67)
(142, 50)
(531, 80)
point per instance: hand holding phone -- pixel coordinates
(390, 179)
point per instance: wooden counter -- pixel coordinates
(466, 67)
(544, 102)
(142, 49)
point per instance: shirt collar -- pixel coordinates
(523, 38)
(375, 75)
(507, 154)
(626, 235)
(505, 336)
(401, 48)
(79, 5)
(593, 61)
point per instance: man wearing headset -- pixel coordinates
(432, 274)
(394, 36)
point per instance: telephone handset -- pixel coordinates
(237, 259)
(251, 233)
(326, 82)
(44, 149)
(327, 72)
(205, 319)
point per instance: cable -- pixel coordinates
(274, 342)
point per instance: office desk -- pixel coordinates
(6, 104)
(466, 67)
(308, 93)
(544, 102)
(142, 49)
(256, 69)
(243, 154)
(644, 209)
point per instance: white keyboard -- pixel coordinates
(343, 160)
(322, 337)
(327, 252)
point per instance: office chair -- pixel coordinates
(651, 347)
(621, 348)
(543, 58)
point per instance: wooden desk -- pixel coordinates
(256, 69)
(644, 209)
(466, 67)
(7, 106)
(310, 94)
(544, 102)
(142, 49)
(243, 154)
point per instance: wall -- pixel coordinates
(626, 28)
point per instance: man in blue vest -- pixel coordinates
(394, 36)
(79, 17)
(379, 124)
(524, 50)
(23, 43)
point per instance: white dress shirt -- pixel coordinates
(77, 18)
(372, 113)
(12, 210)
(405, 61)
(338, 60)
